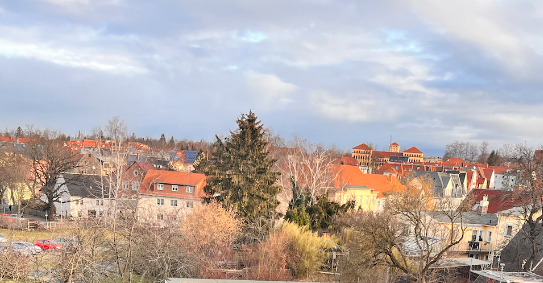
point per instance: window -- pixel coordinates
(160, 217)
(489, 237)
(174, 188)
(190, 204)
(509, 231)
(173, 203)
(190, 189)
(160, 201)
(160, 187)
(135, 186)
(97, 202)
(125, 185)
(136, 173)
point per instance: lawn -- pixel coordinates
(30, 236)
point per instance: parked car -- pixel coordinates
(46, 244)
(3, 238)
(25, 248)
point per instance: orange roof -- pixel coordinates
(363, 146)
(349, 161)
(172, 177)
(413, 150)
(394, 143)
(498, 169)
(351, 176)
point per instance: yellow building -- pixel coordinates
(367, 156)
(353, 184)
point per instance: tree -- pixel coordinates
(172, 143)
(465, 150)
(405, 237)
(162, 139)
(529, 194)
(239, 176)
(483, 156)
(494, 158)
(49, 159)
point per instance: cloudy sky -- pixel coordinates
(425, 72)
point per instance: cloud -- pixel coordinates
(426, 72)
(269, 89)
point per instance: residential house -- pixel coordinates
(447, 187)
(183, 161)
(132, 178)
(82, 195)
(169, 195)
(353, 184)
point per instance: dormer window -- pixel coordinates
(160, 187)
(190, 189)
(174, 188)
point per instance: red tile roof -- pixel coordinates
(498, 200)
(394, 143)
(498, 169)
(413, 150)
(362, 146)
(172, 177)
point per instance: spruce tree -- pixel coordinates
(240, 177)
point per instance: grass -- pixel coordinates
(30, 236)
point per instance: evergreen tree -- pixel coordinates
(239, 176)
(494, 159)
(162, 139)
(172, 143)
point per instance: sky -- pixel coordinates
(425, 73)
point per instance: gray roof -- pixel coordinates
(85, 186)
(440, 182)
(470, 217)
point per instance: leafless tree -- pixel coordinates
(48, 159)
(408, 237)
(307, 166)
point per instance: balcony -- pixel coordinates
(473, 247)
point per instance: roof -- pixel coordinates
(395, 143)
(349, 161)
(189, 156)
(498, 200)
(85, 186)
(172, 177)
(351, 177)
(498, 169)
(146, 166)
(470, 217)
(386, 154)
(413, 150)
(363, 146)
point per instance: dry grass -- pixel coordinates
(32, 235)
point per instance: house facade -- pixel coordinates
(169, 195)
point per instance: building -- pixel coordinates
(364, 189)
(169, 195)
(368, 157)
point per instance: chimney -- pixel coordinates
(138, 157)
(484, 204)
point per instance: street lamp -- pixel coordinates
(46, 223)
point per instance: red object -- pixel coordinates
(46, 244)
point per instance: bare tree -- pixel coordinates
(49, 159)
(408, 237)
(307, 166)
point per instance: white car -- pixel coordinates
(3, 238)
